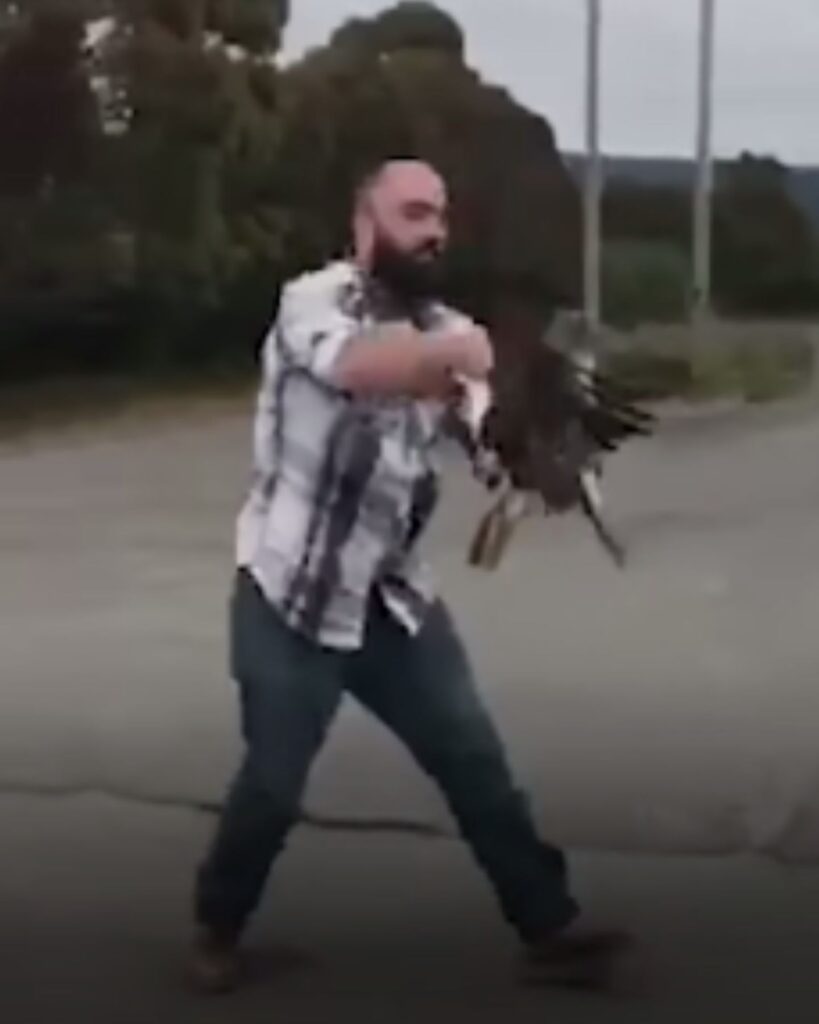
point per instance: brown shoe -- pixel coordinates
(576, 957)
(214, 964)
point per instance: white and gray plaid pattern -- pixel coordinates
(343, 487)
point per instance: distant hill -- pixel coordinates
(805, 188)
(680, 173)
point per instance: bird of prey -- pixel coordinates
(537, 432)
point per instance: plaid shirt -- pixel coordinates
(343, 487)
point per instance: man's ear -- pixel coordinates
(363, 236)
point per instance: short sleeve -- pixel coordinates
(313, 326)
(448, 319)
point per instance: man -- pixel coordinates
(331, 597)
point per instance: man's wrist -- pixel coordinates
(444, 355)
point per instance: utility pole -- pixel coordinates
(703, 196)
(586, 357)
(593, 172)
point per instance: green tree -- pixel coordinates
(765, 254)
(187, 175)
(764, 246)
(410, 25)
(255, 25)
(202, 131)
(57, 268)
(647, 213)
(49, 128)
(141, 231)
(644, 281)
(398, 85)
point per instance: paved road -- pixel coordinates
(669, 710)
(670, 707)
(378, 929)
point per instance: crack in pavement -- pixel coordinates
(319, 822)
(768, 851)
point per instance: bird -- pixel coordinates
(537, 431)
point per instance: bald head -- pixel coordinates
(403, 178)
(400, 220)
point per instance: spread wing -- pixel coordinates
(549, 420)
(546, 421)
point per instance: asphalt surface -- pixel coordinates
(664, 720)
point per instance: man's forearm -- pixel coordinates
(396, 360)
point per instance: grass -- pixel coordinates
(753, 364)
(79, 402)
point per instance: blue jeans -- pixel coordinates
(423, 690)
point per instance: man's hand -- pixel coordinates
(455, 360)
(468, 353)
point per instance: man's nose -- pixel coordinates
(437, 234)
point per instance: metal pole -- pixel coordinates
(594, 171)
(704, 187)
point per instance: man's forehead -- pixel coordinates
(410, 181)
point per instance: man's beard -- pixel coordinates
(409, 277)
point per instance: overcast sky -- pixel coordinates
(767, 87)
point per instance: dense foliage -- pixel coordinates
(163, 173)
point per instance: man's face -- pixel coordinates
(403, 230)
